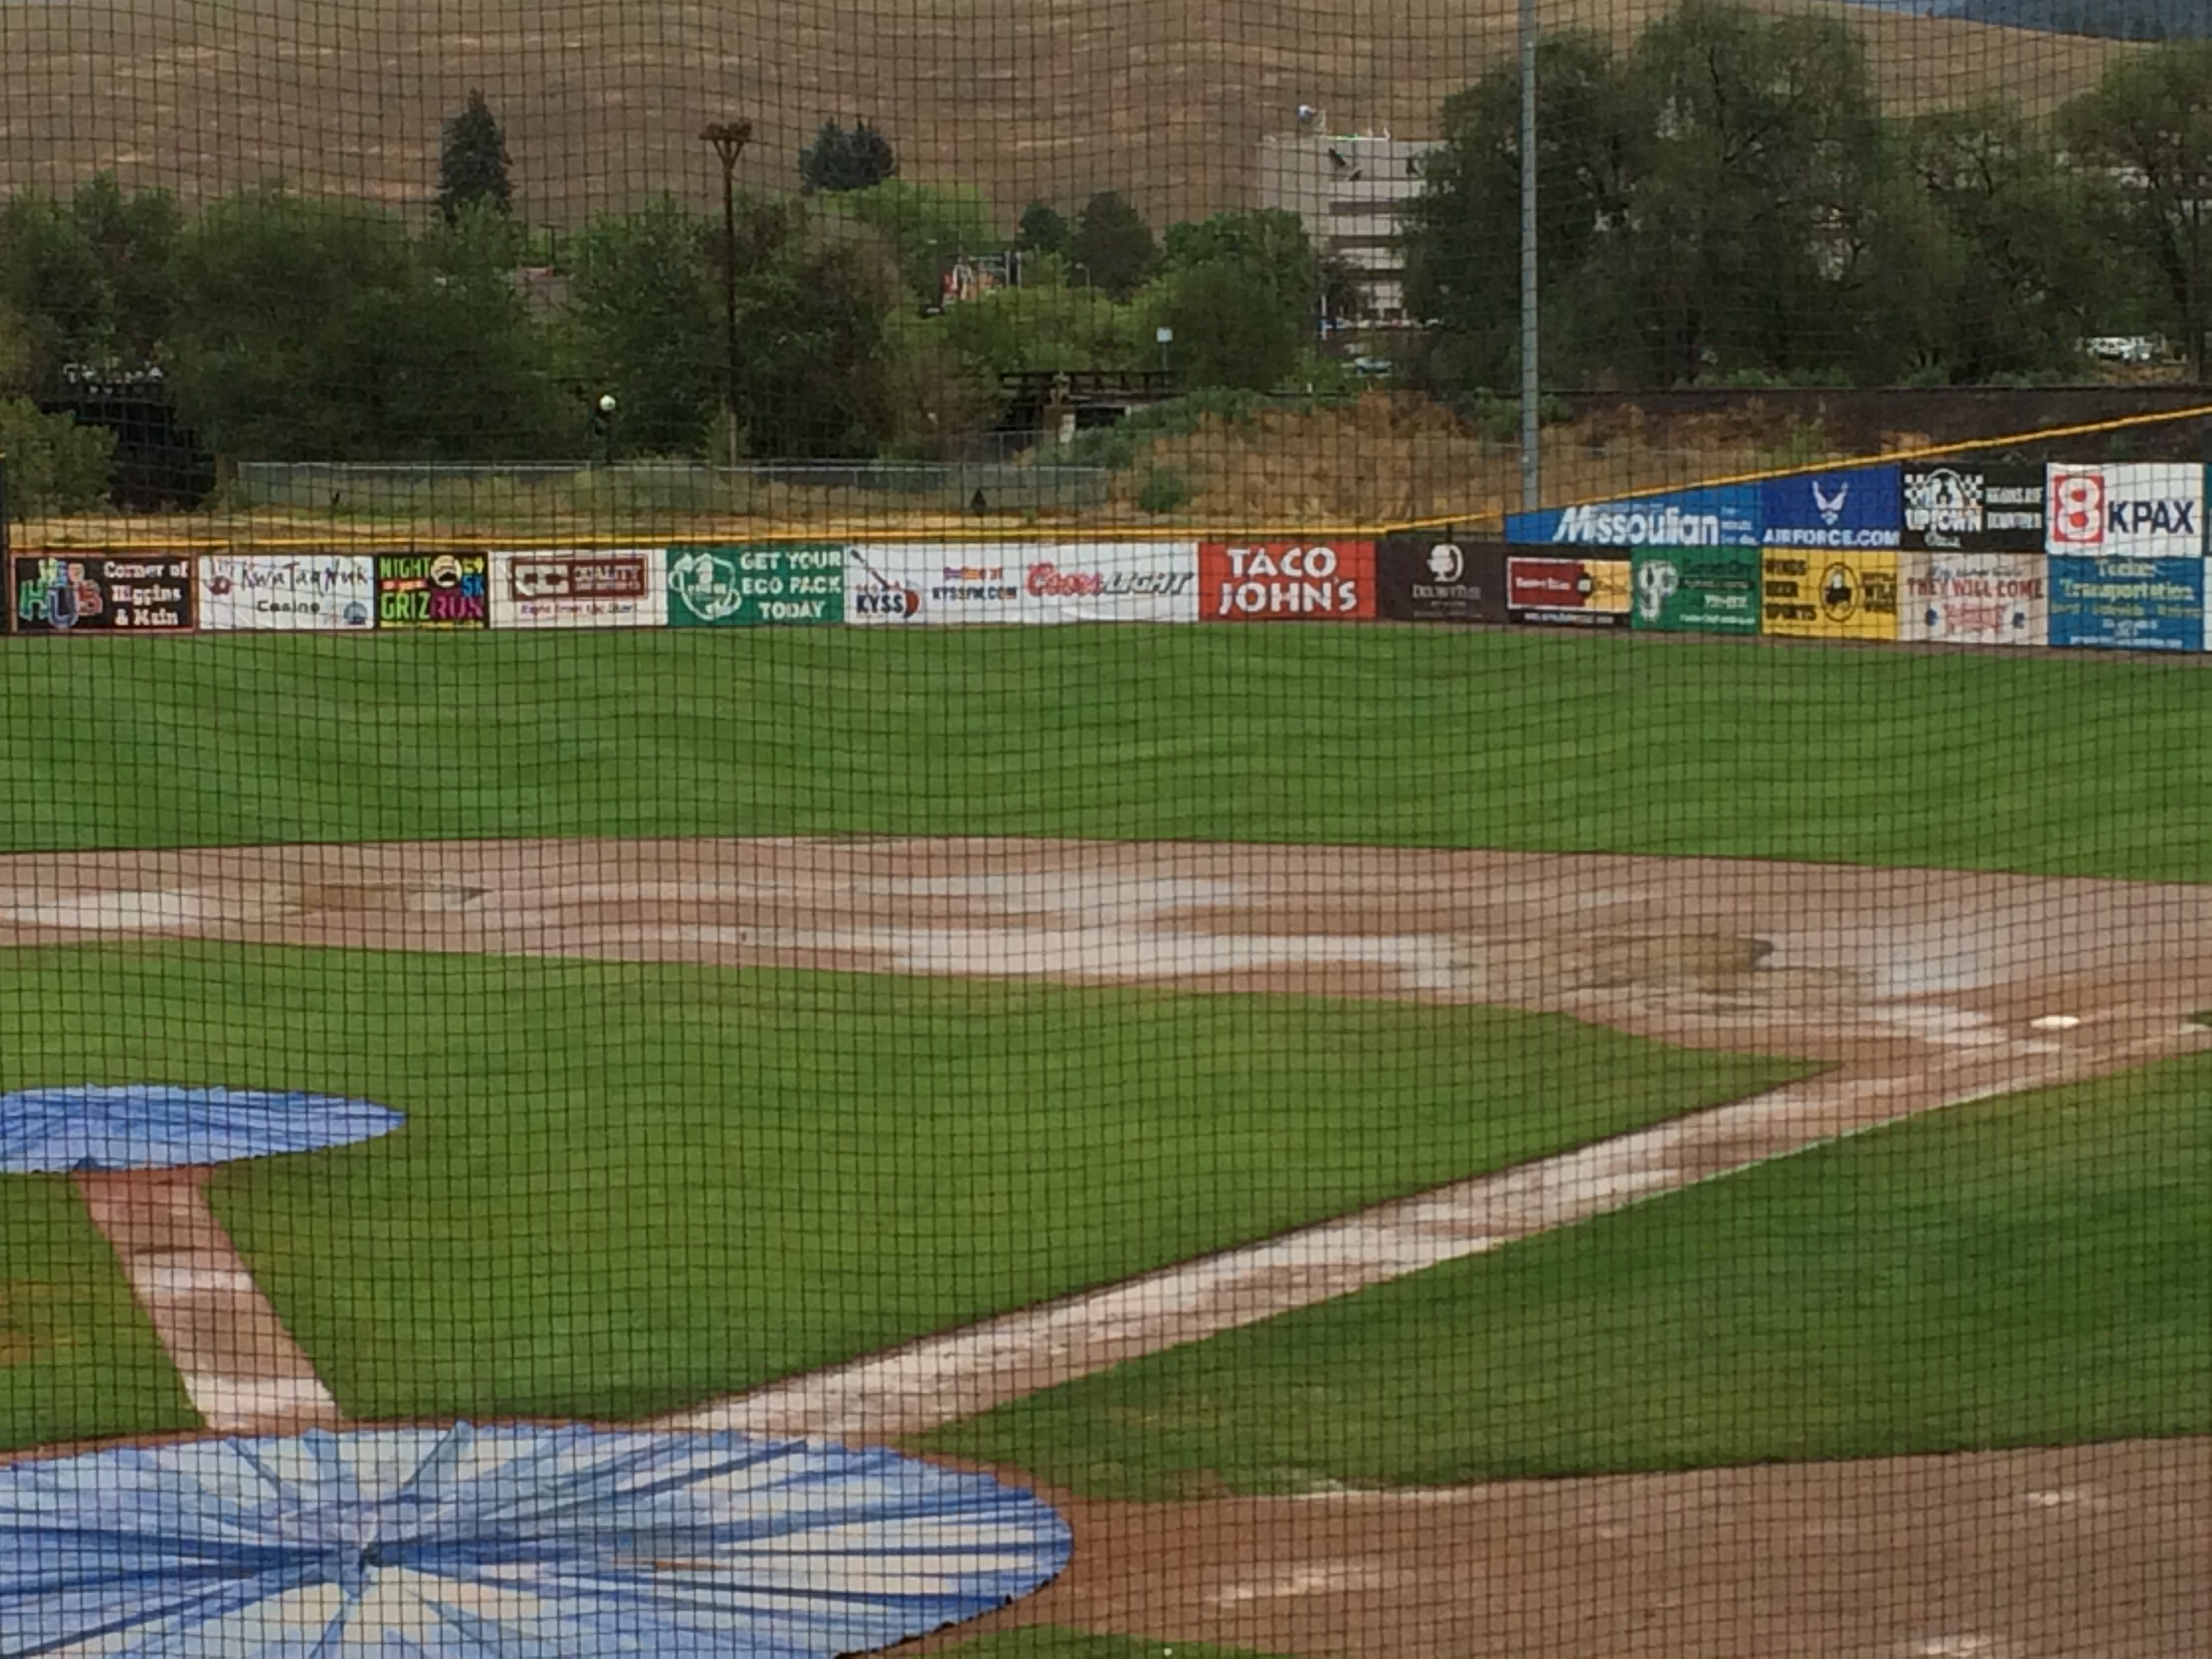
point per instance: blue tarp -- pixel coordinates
(507, 1541)
(158, 1125)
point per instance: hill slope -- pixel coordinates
(1162, 99)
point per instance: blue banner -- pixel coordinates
(1720, 515)
(1856, 507)
(2128, 605)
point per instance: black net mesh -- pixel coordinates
(1109, 827)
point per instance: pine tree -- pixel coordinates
(838, 159)
(472, 161)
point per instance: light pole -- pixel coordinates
(729, 139)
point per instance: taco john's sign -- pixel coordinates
(1286, 581)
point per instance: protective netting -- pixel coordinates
(1423, 871)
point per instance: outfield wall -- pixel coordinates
(2108, 557)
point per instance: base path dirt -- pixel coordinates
(1918, 988)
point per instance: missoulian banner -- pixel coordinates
(1719, 515)
(1850, 507)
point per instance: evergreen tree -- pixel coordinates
(840, 161)
(472, 161)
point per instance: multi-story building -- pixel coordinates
(1348, 190)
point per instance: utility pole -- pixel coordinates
(729, 139)
(1531, 468)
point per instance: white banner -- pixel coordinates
(1973, 598)
(952, 582)
(578, 588)
(2137, 509)
(290, 593)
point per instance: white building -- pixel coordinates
(1348, 190)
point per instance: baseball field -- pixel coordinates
(1416, 1141)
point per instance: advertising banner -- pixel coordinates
(1973, 598)
(1839, 595)
(1856, 507)
(952, 582)
(1720, 515)
(2128, 605)
(1697, 590)
(568, 588)
(137, 593)
(433, 590)
(2134, 510)
(1567, 592)
(1433, 579)
(757, 584)
(1973, 506)
(287, 592)
(1286, 581)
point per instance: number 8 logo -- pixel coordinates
(2077, 509)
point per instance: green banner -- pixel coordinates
(1697, 589)
(757, 584)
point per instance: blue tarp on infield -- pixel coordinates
(506, 1541)
(157, 1125)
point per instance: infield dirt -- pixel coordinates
(1918, 987)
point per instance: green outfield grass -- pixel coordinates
(622, 1188)
(2033, 1270)
(2082, 763)
(76, 1357)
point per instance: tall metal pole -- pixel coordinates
(729, 139)
(1531, 467)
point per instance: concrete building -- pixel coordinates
(1348, 190)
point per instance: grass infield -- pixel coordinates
(2033, 1270)
(2056, 763)
(620, 1190)
(1052, 1642)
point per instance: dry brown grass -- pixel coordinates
(1164, 100)
(1394, 460)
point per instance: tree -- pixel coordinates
(1462, 232)
(2021, 274)
(316, 329)
(1112, 243)
(1044, 230)
(54, 465)
(2149, 126)
(473, 161)
(839, 159)
(1241, 291)
(648, 310)
(923, 228)
(1760, 155)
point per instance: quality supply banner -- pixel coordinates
(1828, 596)
(1974, 599)
(1720, 515)
(946, 583)
(287, 592)
(1692, 590)
(1854, 507)
(560, 588)
(2134, 510)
